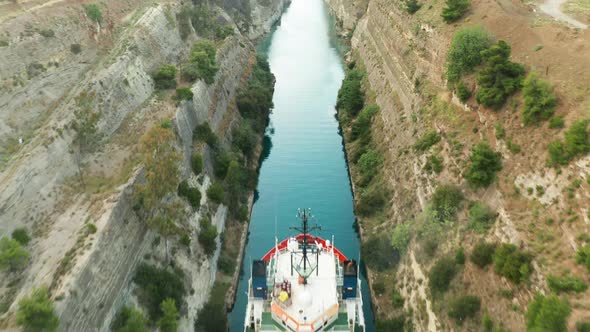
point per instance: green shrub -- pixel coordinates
(13, 256)
(460, 256)
(165, 77)
(192, 195)
(464, 307)
(245, 139)
(197, 163)
(213, 316)
(156, 285)
(463, 92)
(513, 147)
(36, 312)
(412, 6)
(184, 94)
(397, 299)
(513, 263)
(441, 275)
(255, 101)
(485, 163)
(392, 324)
(583, 256)
(91, 228)
(76, 48)
(465, 51)
(566, 283)
(221, 162)
(482, 254)
(576, 144)
(539, 100)
(583, 326)
(169, 320)
(378, 253)
(361, 127)
(556, 122)
(446, 202)
(226, 264)
(223, 32)
(184, 23)
(426, 141)
(500, 77)
(455, 9)
(201, 63)
(47, 33)
(371, 200)
(215, 192)
(400, 238)
(129, 320)
(351, 96)
(207, 236)
(378, 288)
(203, 133)
(21, 235)
(547, 313)
(500, 131)
(434, 164)
(93, 12)
(368, 165)
(481, 217)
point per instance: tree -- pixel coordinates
(412, 6)
(464, 307)
(93, 12)
(85, 126)
(500, 77)
(245, 139)
(169, 320)
(215, 192)
(583, 256)
(576, 144)
(207, 236)
(465, 51)
(156, 285)
(160, 160)
(454, 10)
(351, 96)
(368, 164)
(539, 100)
(235, 184)
(482, 254)
(378, 252)
(441, 275)
(201, 62)
(481, 217)
(36, 313)
(401, 237)
(513, 263)
(166, 221)
(13, 256)
(361, 127)
(21, 235)
(197, 163)
(129, 320)
(547, 314)
(485, 163)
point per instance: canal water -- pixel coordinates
(304, 164)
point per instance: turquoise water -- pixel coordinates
(304, 165)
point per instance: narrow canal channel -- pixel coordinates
(304, 166)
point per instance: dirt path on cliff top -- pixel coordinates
(552, 8)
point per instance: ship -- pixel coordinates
(304, 284)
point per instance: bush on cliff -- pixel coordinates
(36, 312)
(412, 6)
(156, 285)
(441, 275)
(426, 141)
(351, 97)
(465, 51)
(255, 100)
(207, 236)
(201, 63)
(539, 100)
(446, 202)
(513, 263)
(464, 307)
(129, 320)
(547, 313)
(165, 77)
(485, 163)
(378, 252)
(454, 10)
(575, 144)
(13, 256)
(361, 127)
(482, 254)
(213, 317)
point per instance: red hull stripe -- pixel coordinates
(311, 239)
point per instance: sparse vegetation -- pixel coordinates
(513, 263)
(183, 94)
(156, 285)
(441, 275)
(47, 33)
(412, 6)
(426, 141)
(463, 92)
(465, 51)
(372, 200)
(401, 237)
(192, 195)
(434, 163)
(207, 235)
(547, 313)
(464, 307)
(454, 10)
(213, 317)
(197, 163)
(500, 77)
(446, 202)
(36, 312)
(203, 133)
(482, 254)
(485, 163)
(361, 127)
(397, 299)
(13, 256)
(165, 77)
(215, 192)
(539, 100)
(556, 122)
(575, 144)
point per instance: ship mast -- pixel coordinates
(304, 215)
